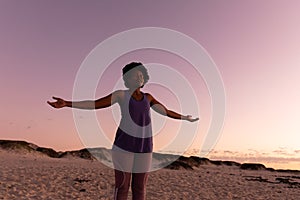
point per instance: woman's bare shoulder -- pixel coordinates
(149, 96)
(119, 94)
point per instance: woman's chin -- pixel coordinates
(139, 84)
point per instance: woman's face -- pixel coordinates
(135, 79)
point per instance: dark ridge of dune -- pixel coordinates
(82, 153)
(167, 160)
(178, 165)
(253, 166)
(193, 161)
(48, 151)
(231, 163)
(18, 146)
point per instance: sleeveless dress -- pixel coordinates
(134, 133)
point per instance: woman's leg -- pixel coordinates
(123, 162)
(138, 187)
(142, 165)
(122, 183)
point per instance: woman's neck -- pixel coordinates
(136, 91)
(136, 94)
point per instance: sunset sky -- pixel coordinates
(254, 44)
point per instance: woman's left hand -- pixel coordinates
(190, 118)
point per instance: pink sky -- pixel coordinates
(255, 45)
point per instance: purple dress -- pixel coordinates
(134, 133)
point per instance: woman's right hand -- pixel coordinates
(59, 103)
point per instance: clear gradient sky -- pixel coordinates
(254, 43)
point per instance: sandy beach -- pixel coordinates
(37, 176)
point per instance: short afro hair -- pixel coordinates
(135, 65)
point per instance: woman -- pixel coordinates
(132, 148)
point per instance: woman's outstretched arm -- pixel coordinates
(161, 109)
(87, 104)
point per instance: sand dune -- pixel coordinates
(26, 173)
